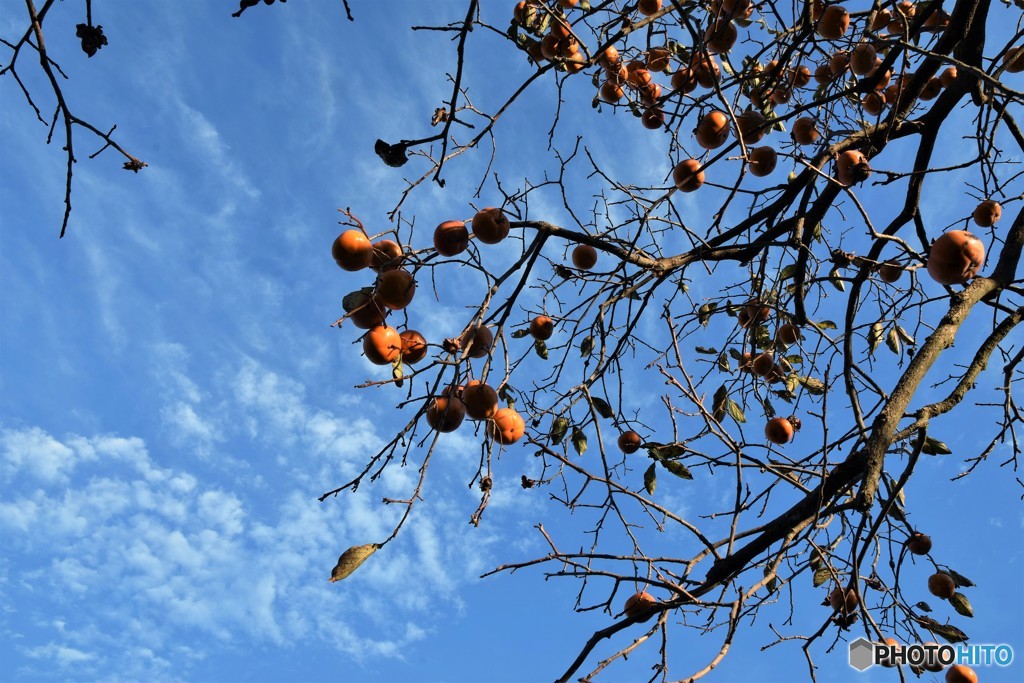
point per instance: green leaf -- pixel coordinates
(890, 486)
(579, 441)
(541, 348)
(707, 351)
(519, 334)
(896, 513)
(814, 386)
(505, 393)
(351, 559)
(723, 362)
(651, 479)
(950, 634)
(816, 560)
(923, 606)
(825, 325)
(935, 447)
(677, 468)
(704, 313)
(586, 346)
(718, 403)
(821, 576)
(735, 412)
(875, 336)
(962, 605)
(762, 337)
(559, 426)
(960, 580)
(563, 272)
(773, 583)
(892, 340)
(602, 407)
(671, 450)
(788, 272)
(357, 299)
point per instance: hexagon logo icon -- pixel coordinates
(861, 654)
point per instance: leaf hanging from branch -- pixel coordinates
(351, 559)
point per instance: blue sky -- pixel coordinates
(173, 400)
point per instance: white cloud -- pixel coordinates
(36, 453)
(64, 657)
(120, 553)
(187, 425)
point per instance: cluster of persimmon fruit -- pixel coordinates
(394, 289)
(778, 430)
(954, 258)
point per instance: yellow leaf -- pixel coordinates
(351, 559)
